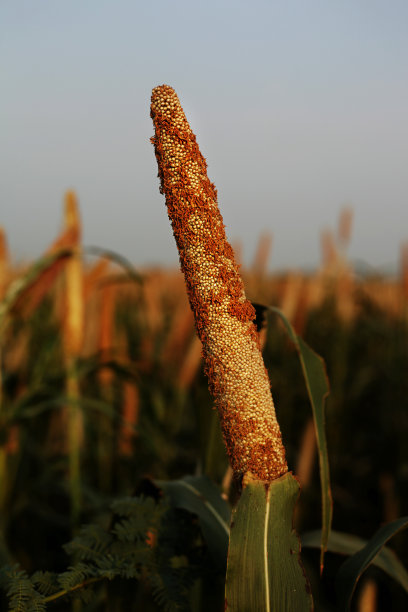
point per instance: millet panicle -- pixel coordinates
(224, 317)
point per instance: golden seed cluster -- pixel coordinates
(223, 316)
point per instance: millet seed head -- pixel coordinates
(224, 317)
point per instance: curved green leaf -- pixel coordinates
(348, 544)
(200, 496)
(119, 259)
(317, 384)
(23, 282)
(351, 570)
(264, 569)
(26, 410)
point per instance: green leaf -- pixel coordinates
(21, 592)
(118, 259)
(348, 544)
(352, 569)
(23, 410)
(200, 496)
(317, 385)
(264, 569)
(22, 283)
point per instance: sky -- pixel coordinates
(299, 106)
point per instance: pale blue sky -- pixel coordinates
(299, 106)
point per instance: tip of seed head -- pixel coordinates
(163, 90)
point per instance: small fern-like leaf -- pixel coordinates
(90, 544)
(75, 575)
(45, 582)
(21, 592)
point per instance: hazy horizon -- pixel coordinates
(299, 108)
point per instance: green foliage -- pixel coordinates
(177, 434)
(128, 267)
(21, 591)
(20, 285)
(317, 385)
(347, 544)
(200, 496)
(142, 544)
(45, 582)
(264, 570)
(352, 569)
